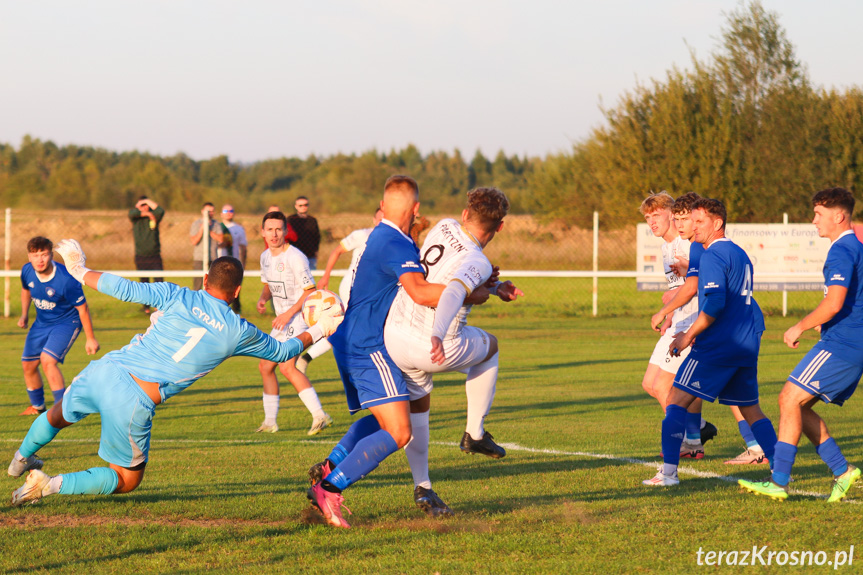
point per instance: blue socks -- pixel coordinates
(95, 481)
(693, 427)
(673, 427)
(41, 433)
(362, 460)
(360, 429)
(766, 437)
(58, 395)
(832, 456)
(785, 454)
(37, 397)
(746, 433)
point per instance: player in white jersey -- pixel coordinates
(354, 242)
(423, 341)
(662, 366)
(287, 282)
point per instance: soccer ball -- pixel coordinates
(320, 303)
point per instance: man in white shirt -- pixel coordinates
(423, 341)
(287, 282)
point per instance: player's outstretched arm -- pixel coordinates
(824, 312)
(507, 291)
(331, 264)
(421, 291)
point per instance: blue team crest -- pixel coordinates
(31, 285)
(280, 267)
(50, 292)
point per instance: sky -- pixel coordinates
(265, 79)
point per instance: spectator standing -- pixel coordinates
(308, 234)
(196, 235)
(146, 217)
(239, 242)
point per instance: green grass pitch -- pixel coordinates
(580, 432)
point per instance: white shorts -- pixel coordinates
(413, 356)
(292, 329)
(663, 359)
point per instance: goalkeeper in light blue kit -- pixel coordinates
(725, 339)
(196, 332)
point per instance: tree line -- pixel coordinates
(40, 173)
(745, 125)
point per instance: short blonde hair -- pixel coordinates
(654, 202)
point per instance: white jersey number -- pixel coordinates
(747, 285)
(195, 334)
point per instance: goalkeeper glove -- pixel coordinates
(74, 258)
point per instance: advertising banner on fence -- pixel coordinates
(773, 249)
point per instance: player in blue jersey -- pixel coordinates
(61, 314)
(725, 339)
(831, 370)
(680, 260)
(682, 210)
(196, 332)
(371, 379)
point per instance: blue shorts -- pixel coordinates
(370, 380)
(827, 377)
(732, 385)
(55, 340)
(127, 412)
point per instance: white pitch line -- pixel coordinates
(510, 446)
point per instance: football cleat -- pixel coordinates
(319, 471)
(329, 504)
(33, 411)
(662, 480)
(752, 455)
(267, 428)
(318, 425)
(842, 483)
(766, 488)
(303, 363)
(485, 446)
(708, 432)
(33, 489)
(691, 451)
(431, 504)
(19, 466)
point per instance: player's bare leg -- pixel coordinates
(33, 382)
(52, 372)
(307, 394)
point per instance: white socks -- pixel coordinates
(480, 387)
(309, 397)
(271, 408)
(417, 449)
(321, 347)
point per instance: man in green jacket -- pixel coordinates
(146, 216)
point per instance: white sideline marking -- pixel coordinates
(685, 470)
